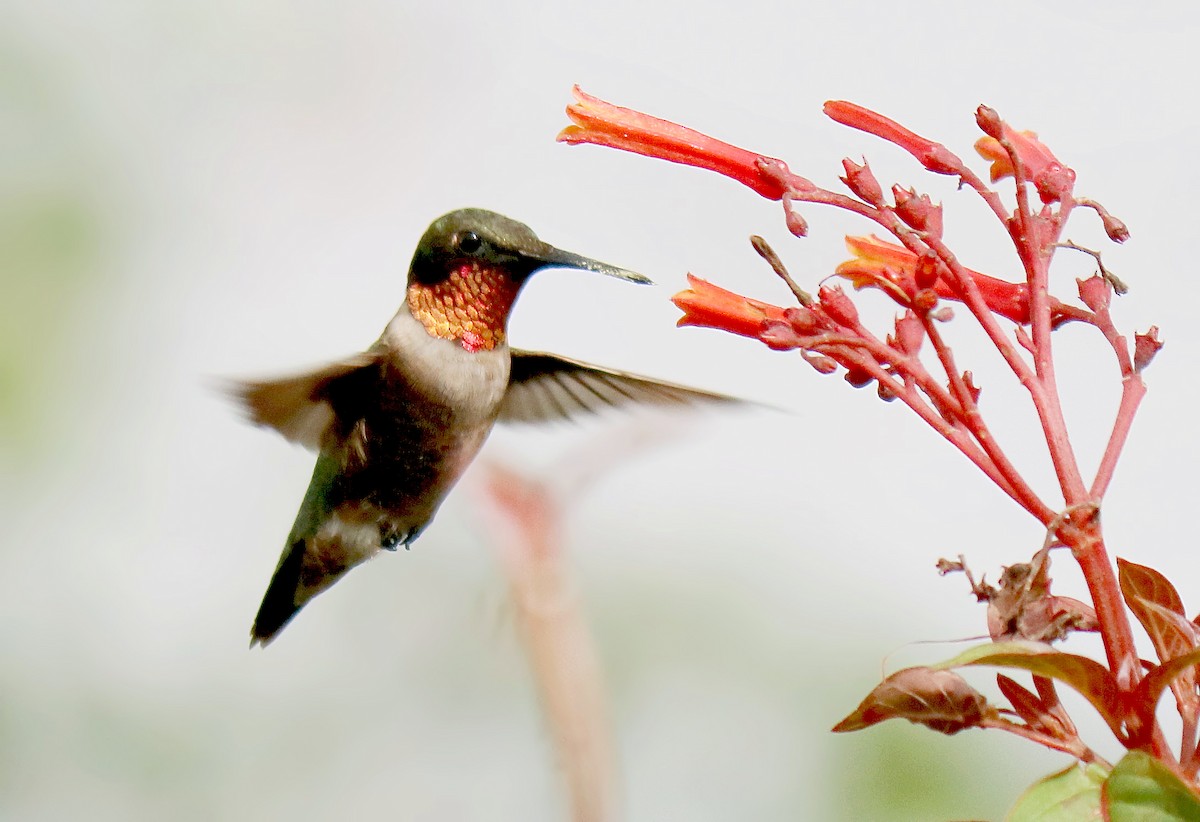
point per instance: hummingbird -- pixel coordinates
(395, 426)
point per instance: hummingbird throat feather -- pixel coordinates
(470, 306)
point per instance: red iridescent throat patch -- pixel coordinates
(470, 306)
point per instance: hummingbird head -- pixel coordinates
(469, 267)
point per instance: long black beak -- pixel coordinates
(551, 257)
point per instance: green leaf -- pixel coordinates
(1087, 676)
(1070, 795)
(1142, 789)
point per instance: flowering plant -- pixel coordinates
(918, 271)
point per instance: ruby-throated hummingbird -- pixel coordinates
(395, 426)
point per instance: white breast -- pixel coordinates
(444, 369)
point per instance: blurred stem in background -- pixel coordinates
(525, 520)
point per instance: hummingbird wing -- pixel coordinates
(322, 409)
(543, 387)
(304, 407)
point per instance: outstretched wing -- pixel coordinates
(304, 407)
(544, 387)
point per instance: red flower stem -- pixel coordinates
(1089, 552)
(978, 428)
(1132, 391)
(1036, 261)
(1087, 546)
(990, 197)
(1188, 745)
(956, 435)
(1044, 401)
(1073, 747)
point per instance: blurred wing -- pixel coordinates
(303, 407)
(544, 387)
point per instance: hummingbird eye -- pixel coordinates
(468, 242)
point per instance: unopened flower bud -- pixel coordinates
(862, 182)
(803, 320)
(918, 211)
(1114, 228)
(858, 377)
(989, 122)
(838, 306)
(885, 392)
(927, 270)
(794, 220)
(910, 333)
(1145, 346)
(1095, 292)
(780, 336)
(925, 300)
(822, 364)
(969, 381)
(1054, 183)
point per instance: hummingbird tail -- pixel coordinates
(279, 603)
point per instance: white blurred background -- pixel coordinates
(190, 191)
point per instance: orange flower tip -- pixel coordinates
(572, 135)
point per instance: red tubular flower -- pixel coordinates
(893, 269)
(710, 306)
(605, 124)
(1052, 179)
(933, 156)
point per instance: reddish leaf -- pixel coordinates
(1145, 697)
(941, 700)
(1027, 704)
(1154, 601)
(1172, 633)
(1087, 676)
(1139, 580)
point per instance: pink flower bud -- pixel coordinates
(1054, 183)
(838, 306)
(1145, 346)
(918, 211)
(943, 315)
(803, 320)
(821, 363)
(862, 182)
(910, 333)
(969, 381)
(1114, 228)
(1095, 292)
(794, 219)
(928, 270)
(780, 336)
(858, 377)
(925, 300)
(989, 121)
